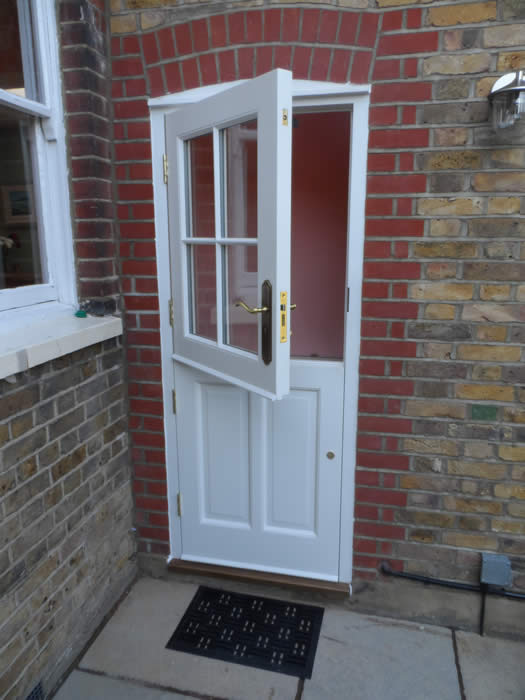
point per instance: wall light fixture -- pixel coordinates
(507, 98)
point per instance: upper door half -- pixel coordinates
(229, 218)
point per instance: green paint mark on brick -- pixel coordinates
(480, 412)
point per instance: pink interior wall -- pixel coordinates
(320, 160)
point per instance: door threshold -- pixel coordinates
(310, 585)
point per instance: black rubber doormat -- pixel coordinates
(274, 635)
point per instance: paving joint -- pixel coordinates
(94, 636)
(154, 686)
(458, 666)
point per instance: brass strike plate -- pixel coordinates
(284, 316)
(285, 117)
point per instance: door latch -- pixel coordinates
(283, 310)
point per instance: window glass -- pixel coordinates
(17, 68)
(201, 191)
(240, 281)
(240, 164)
(20, 259)
(203, 298)
(239, 261)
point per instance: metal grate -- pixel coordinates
(274, 635)
(37, 693)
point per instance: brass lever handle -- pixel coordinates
(293, 307)
(251, 309)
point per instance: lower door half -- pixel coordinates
(260, 480)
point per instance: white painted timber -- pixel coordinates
(306, 94)
(258, 489)
(263, 98)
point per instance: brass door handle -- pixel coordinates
(251, 309)
(293, 307)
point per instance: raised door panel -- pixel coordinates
(225, 464)
(292, 467)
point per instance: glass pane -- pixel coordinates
(203, 293)
(240, 163)
(201, 221)
(320, 164)
(240, 275)
(17, 70)
(19, 245)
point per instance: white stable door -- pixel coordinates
(260, 479)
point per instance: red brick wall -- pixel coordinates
(174, 58)
(86, 71)
(439, 475)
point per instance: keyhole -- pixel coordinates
(330, 454)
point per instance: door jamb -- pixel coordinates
(306, 94)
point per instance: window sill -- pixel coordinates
(32, 336)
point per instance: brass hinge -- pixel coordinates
(174, 399)
(170, 307)
(165, 167)
(179, 505)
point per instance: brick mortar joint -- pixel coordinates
(79, 524)
(14, 416)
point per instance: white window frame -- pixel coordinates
(52, 199)
(37, 322)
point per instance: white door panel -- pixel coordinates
(292, 470)
(225, 484)
(258, 490)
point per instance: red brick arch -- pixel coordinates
(316, 44)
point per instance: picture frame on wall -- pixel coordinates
(17, 203)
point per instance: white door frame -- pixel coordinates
(306, 94)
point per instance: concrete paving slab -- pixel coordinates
(368, 658)
(491, 668)
(88, 686)
(132, 645)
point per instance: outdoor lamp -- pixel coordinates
(507, 98)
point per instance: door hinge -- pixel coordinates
(170, 307)
(179, 505)
(174, 399)
(165, 167)
(347, 299)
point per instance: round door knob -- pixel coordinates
(330, 454)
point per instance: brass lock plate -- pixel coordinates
(283, 311)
